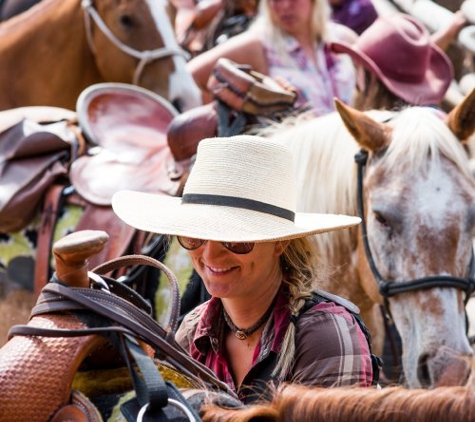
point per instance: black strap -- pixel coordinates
(317, 298)
(230, 122)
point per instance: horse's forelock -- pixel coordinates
(419, 136)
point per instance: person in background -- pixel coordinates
(237, 219)
(289, 40)
(399, 63)
(355, 14)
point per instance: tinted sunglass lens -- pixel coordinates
(239, 247)
(190, 243)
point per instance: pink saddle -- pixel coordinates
(129, 126)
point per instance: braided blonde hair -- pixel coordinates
(300, 266)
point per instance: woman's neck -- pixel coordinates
(246, 312)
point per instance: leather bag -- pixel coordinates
(244, 89)
(32, 157)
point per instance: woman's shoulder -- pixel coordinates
(325, 311)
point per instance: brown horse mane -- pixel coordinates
(300, 403)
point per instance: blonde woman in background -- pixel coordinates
(290, 40)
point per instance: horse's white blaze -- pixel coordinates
(433, 197)
(182, 87)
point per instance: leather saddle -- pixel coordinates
(128, 124)
(91, 337)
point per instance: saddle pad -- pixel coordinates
(130, 126)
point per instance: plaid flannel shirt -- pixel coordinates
(331, 349)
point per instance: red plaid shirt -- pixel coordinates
(331, 349)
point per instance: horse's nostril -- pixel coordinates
(423, 373)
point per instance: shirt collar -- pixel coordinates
(210, 329)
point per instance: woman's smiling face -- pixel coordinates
(229, 275)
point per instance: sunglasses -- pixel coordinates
(240, 248)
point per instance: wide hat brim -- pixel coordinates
(167, 215)
(430, 90)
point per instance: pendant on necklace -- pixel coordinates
(240, 335)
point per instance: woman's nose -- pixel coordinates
(213, 248)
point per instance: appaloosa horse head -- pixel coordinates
(417, 198)
(419, 214)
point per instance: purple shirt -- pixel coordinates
(331, 349)
(355, 14)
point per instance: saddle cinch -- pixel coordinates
(91, 350)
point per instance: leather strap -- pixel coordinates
(45, 236)
(132, 319)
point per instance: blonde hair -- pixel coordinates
(300, 266)
(320, 18)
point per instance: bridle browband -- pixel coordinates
(145, 57)
(390, 288)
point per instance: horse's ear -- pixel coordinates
(369, 134)
(461, 120)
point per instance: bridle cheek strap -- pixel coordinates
(144, 57)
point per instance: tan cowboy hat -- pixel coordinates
(397, 48)
(241, 189)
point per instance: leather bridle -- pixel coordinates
(387, 288)
(145, 57)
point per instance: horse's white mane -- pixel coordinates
(324, 160)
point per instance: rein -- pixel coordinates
(390, 288)
(145, 57)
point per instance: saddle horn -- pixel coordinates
(72, 254)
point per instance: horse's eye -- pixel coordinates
(127, 21)
(380, 219)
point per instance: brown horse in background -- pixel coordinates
(56, 49)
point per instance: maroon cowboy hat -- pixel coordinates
(398, 50)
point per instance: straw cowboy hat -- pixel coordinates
(398, 50)
(241, 189)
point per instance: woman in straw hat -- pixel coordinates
(399, 63)
(238, 222)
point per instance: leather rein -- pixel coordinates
(387, 288)
(145, 57)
